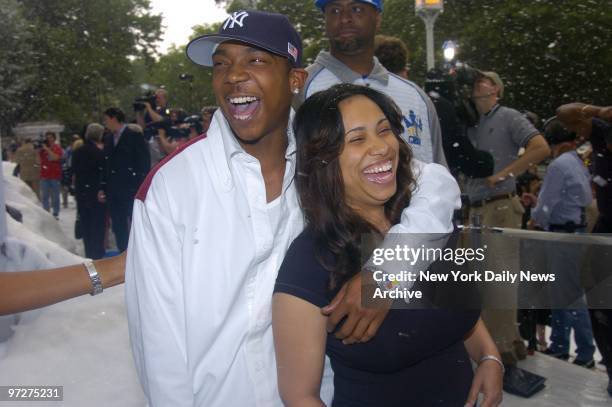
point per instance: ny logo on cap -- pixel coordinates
(236, 18)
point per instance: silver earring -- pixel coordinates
(296, 91)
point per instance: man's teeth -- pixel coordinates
(379, 168)
(242, 99)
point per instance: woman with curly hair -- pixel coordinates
(354, 177)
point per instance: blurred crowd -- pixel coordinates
(104, 165)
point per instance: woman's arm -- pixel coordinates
(488, 378)
(25, 290)
(479, 342)
(299, 341)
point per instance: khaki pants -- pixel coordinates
(502, 323)
(35, 185)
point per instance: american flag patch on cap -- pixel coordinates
(292, 50)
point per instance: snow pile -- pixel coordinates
(81, 344)
(35, 219)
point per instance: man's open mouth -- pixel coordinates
(243, 107)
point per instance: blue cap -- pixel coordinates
(270, 31)
(378, 4)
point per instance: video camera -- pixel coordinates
(455, 88)
(139, 102)
(38, 142)
(181, 128)
(456, 85)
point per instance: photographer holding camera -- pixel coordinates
(159, 110)
(172, 135)
(50, 172)
(151, 110)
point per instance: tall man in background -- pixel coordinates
(502, 132)
(127, 164)
(351, 28)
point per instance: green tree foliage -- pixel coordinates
(548, 52)
(83, 53)
(190, 94)
(306, 18)
(16, 67)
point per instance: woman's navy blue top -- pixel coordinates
(417, 357)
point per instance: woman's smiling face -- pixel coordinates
(368, 160)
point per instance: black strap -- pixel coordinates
(571, 226)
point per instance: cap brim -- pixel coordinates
(201, 49)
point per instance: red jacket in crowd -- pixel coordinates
(51, 169)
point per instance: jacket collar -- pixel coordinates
(346, 74)
(226, 148)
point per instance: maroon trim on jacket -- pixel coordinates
(144, 187)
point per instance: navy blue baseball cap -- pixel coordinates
(270, 31)
(378, 4)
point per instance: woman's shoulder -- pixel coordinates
(304, 242)
(301, 273)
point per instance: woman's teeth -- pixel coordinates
(379, 168)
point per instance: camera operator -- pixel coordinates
(502, 132)
(151, 109)
(158, 112)
(171, 135)
(450, 96)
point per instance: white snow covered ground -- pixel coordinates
(83, 345)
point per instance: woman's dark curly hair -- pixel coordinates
(319, 131)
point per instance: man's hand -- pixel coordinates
(495, 178)
(605, 113)
(529, 200)
(488, 380)
(532, 225)
(361, 323)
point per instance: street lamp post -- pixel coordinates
(429, 10)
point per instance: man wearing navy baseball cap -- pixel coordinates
(269, 31)
(212, 224)
(351, 26)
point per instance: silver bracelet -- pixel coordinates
(492, 357)
(96, 282)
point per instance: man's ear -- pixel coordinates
(378, 21)
(297, 79)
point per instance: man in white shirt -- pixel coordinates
(212, 225)
(351, 26)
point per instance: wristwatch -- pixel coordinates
(96, 282)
